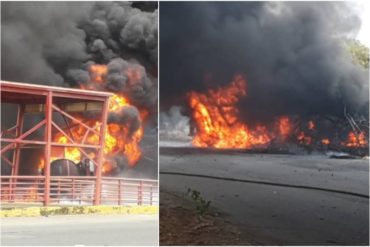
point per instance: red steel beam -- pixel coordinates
(18, 132)
(75, 119)
(26, 88)
(87, 133)
(48, 119)
(16, 153)
(74, 145)
(79, 96)
(56, 144)
(10, 163)
(85, 136)
(14, 141)
(61, 131)
(9, 131)
(101, 153)
(5, 88)
(25, 134)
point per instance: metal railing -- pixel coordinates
(69, 190)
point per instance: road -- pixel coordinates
(80, 230)
(278, 199)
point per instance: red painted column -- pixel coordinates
(100, 159)
(18, 132)
(48, 117)
(16, 153)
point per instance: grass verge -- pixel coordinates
(76, 210)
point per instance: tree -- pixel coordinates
(359, 52)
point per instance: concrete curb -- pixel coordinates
(74, 210)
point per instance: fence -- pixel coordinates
(70, 190)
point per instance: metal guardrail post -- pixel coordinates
(40, 188)
(140, 201)
(58, 191)
(119, 192)
(80, 195)
(73, 189)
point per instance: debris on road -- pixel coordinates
(181, 224)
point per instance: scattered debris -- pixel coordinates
(341, 155)
(180, 224)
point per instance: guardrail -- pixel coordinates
(69, 190)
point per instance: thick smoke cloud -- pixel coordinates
(142, 93)
(34, 38)
(55, 42)
(174, 125)
(290, 52)
(127, 115)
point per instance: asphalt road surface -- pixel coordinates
(278, 199)
(80, 230)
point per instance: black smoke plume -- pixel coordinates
(292, 54)
(53, 43)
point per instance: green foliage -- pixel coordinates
(359, 52)
(201, 205)
(44, 212)
(77, 210)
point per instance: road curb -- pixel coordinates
(76, 210)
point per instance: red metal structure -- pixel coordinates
(48, 100)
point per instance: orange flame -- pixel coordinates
(325, 141)
(217, 120)
(304, 139)
(356, 140)
(217, 123)
(98, 72)
(285, 127)
(311, 125)
(70, 153)
(116, 103)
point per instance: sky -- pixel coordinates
(364, 11)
